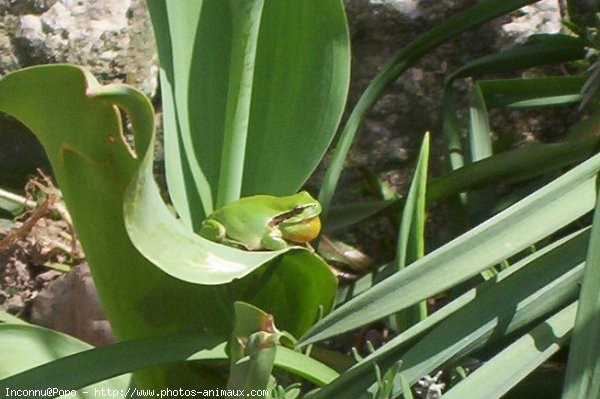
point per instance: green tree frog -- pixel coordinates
(265, 222)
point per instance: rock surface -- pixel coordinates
(70, 304)
(389, 139)
(113, 38)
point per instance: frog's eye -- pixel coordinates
(298, 209)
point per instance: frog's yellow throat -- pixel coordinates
(304, 232)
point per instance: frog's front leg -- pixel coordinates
(213, 230)
(273, 241)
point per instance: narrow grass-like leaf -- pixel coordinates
(411, 245)
(480, 141)
(502, 372)
(532, 92)
(480, 147)
(512, 166)
(344, 215)
(451, 130)
(487, 312)
(411, 235)
(539, 50)
(583, 369)
(405, 387)
(531, 219)
(403, 60)
(13, 203)
(543, 49)
(507, 167)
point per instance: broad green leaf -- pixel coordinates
(246, 18)
(78, 365)
(23, 347)
(189, 187)
(402, 61)
(517, 296)
(531, 219)
(583, 369)
(80, 130)
(500, 373)
(298, 94)
(6, 317)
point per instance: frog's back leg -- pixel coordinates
(274, 241)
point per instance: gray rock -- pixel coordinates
(18, 7)
(542, 17)
(8, 60)
(70, 304)
(113, 39)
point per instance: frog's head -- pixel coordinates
(301, 223)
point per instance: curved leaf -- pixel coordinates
(80, 129)
(23, 347)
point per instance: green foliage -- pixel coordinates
(24, 347)
(220, 120)
(125, 228)
(78, 365)
(251, 81)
